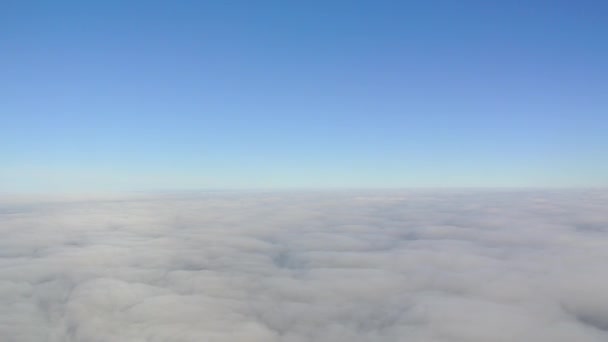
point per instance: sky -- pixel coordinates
(147, 95)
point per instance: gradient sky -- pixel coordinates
(137, 95)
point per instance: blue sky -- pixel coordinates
(145, 95)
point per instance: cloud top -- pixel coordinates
(444, 266)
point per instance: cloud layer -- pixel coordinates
(444, 266)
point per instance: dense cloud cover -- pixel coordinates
(444, 266)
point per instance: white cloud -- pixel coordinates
(365, 266)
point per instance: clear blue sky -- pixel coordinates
(135, 95)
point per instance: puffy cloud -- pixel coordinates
(444, 266)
